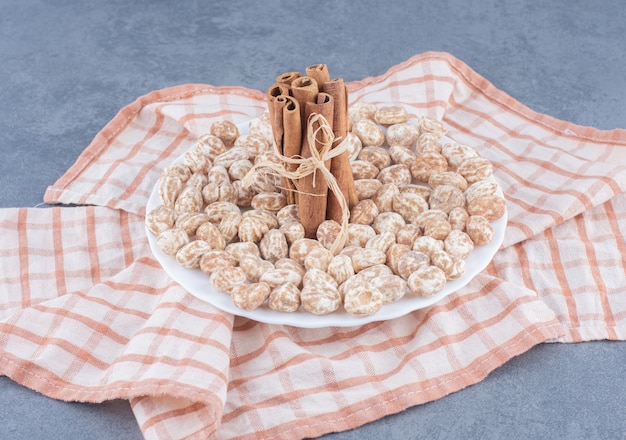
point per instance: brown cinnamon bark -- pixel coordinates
(291, 101)
(319, 72)
(340, 166)
(287, 77)
(277, 89)
(325, 106)
(292, 141)
(304, 89)
(275, 111)
(313, 189)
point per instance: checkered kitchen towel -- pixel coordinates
(87, 314)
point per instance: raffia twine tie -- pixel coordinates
(311, 165)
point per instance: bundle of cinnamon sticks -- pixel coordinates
(291, 102)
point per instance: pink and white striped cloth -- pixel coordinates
(87, 314)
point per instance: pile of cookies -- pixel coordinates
(423, 205)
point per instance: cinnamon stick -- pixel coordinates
(292, 141)
(313, 189)
(275, 111)
(319, 72)
(340, 165)
(304, 89)
(277, 89)
(325, 106)
(287, 77)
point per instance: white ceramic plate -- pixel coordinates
(197, 283)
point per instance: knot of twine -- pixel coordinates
(311, 165)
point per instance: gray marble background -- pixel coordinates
(67, 67)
